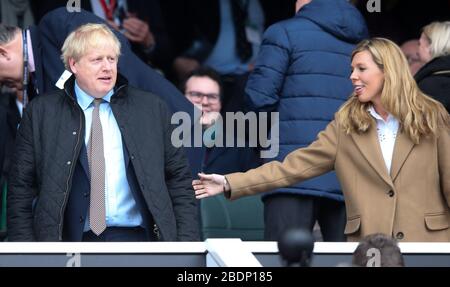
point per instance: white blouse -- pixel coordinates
(387, 133)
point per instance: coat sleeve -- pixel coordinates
(444, 160)
(304, 163)
(266, 81)
(179, 184)
(22, 188)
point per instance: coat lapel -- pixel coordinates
(368, 144)
(402, 148)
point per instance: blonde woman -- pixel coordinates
(434, 50)
(389, 145)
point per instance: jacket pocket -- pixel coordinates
(353, 225)
(436, 221)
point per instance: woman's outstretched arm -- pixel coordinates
(301, 164)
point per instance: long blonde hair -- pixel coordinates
(418, 114)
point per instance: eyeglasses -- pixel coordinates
(198, 96)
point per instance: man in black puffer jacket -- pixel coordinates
(145, 181)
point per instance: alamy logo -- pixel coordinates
(73, 6)
(74, 260)
(238, 130)
(373, 6)
(374, 256)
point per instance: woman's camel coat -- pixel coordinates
(411, 203)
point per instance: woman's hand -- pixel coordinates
(208, 185)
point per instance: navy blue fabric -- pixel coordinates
(223, 160)
(302, 72)
(78, 202)
(117, 234)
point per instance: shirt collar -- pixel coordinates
(374, 114)
(85, 100)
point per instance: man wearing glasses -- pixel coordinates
(203, 88)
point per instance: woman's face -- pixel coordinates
(424, 48)
(367, 78)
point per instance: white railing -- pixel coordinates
(212, 252)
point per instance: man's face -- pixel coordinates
(11, 64)
(424, 48)
(96, 71)
(411, 51)
(204, 93)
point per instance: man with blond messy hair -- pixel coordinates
(94, 161)
(44, 67)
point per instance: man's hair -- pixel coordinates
(390, 255)
(205, 71)
(7, 33)
(86, 37)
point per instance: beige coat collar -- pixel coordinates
(369, 146)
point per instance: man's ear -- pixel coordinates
(4, 53)
(72, 65)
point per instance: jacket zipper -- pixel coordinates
(66, 194)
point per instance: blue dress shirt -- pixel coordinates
(121, 208)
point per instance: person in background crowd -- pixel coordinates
(224, 35)
(13, 13)
(204, 89)
(434, 50)
(378, 250)
(16, 13)
(411, 50)
(140, 21)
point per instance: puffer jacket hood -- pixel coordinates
(335, 17)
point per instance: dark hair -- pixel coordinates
(7, 33)
(390, 255)
(205, 71)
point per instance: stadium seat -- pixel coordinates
(241, 218)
